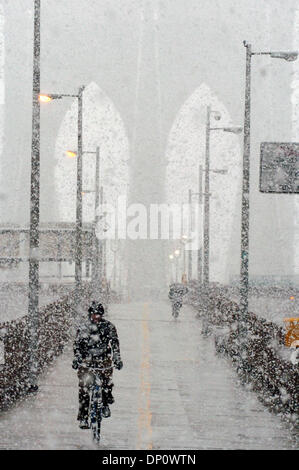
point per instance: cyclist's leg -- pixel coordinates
(85, 380)
(107, 384)
(108, 398)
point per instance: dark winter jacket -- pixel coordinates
(95, 343)
(176, 292)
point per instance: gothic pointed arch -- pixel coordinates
(186, 151)
(103, 127)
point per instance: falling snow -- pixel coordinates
(200, 319)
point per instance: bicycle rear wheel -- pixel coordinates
(175, 311)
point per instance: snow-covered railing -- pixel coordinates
(274, 378)
(54, 329)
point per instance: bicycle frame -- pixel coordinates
(176, 306)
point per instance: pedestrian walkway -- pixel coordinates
(173, 393)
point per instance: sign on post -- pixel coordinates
(279, 167)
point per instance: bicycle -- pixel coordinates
(96, 404)
(176, 306)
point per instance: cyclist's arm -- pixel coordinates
(76, 347)
(115, 344)
(79, 346)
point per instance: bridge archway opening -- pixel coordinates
(185, 152)
(103, 127)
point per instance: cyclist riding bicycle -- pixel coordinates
(96, 347)
(176, 294)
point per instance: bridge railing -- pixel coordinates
(270, 375)
(53, 334)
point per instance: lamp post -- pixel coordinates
(190, 230)
(105, 250)
(200, 195)
(46, 98)
(206, 241)
(33, 288)
(103, 226)
(114, 247)
(183, 241)
(100, 217)
(199, 251)
(177, 255)
(96, 271)
(96, 261)
(171, 258)
(244, 275)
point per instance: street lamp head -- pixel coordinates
(71, 154)
(288, 56)
(44, 98)
(220, 172)
(171, 257)
(234, 130)
(217, 116)
(177, 252)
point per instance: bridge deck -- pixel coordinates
(173, 393)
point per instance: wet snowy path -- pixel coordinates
(173, 393)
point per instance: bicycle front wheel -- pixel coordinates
(96, 418)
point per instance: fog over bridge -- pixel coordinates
(148, 60)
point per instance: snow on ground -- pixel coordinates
(173, 393)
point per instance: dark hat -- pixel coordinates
(96, 308)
